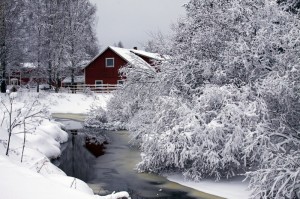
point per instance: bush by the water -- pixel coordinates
(97, 118)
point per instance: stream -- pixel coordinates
(110, 166)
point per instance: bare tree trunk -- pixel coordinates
(72, 81)
(24, 141)
(10, 126)
(50, 74)
(37, 86)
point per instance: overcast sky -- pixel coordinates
(131, 21)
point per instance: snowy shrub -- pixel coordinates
(225, 117)
(97, 118)
(119, 108)
(159, 131)
(140, 126)
(139, 89)
(203, 138)
(277, 175)
(277, 179)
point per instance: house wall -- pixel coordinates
(98, 71)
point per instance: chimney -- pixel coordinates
(135, 48)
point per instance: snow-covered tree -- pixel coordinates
(158, 43)
(81, 40)
(226, 102)
(59, 37)
(11, 24)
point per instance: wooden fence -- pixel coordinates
(85, 88)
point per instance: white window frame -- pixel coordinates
(123, 81)
(108, 59)
(97, 84)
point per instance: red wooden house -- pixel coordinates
(104, 68)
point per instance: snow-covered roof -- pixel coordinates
(131, 56)
(155, 56)
(77, 79)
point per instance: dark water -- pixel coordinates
(110, 167)
(76, 160)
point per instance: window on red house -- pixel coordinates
(110, 62)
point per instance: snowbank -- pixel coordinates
(231, 189)
(19, 182)
(36, 177)
(22, 183)
(74, 103)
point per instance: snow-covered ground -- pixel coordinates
(74, 103)
(232, 189)
(36, 177)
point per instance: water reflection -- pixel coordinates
(94, 146)
(114, 171)
(76, 160)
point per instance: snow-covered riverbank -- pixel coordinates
(231, 189)
(74, 103)
(36, 177)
